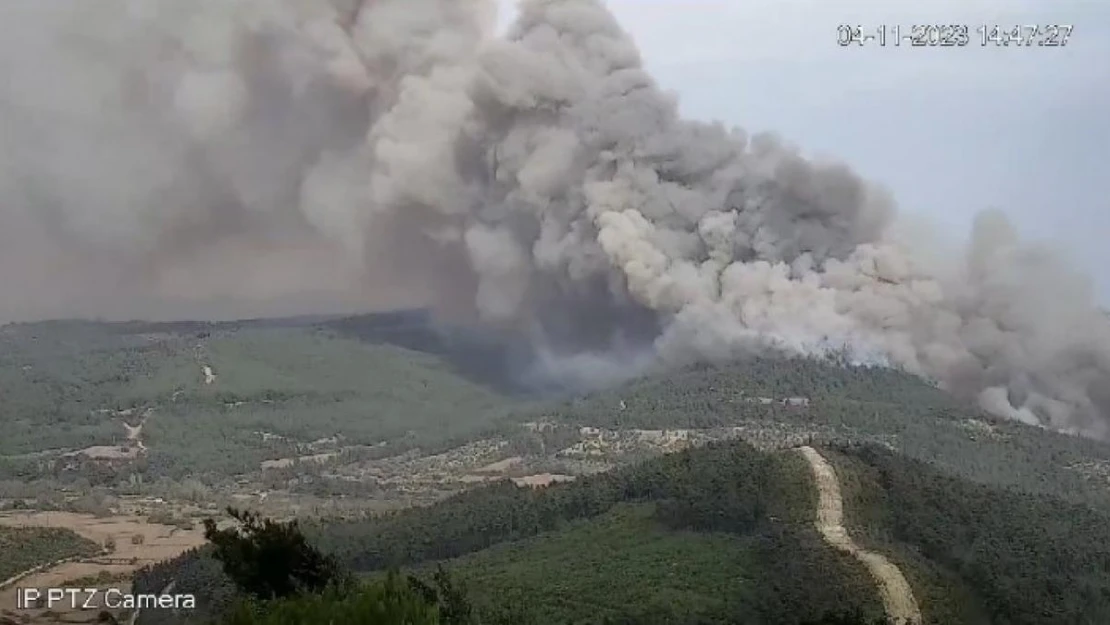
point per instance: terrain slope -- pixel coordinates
(680, 480)
(727, 533)
(898, 599)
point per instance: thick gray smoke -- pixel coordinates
(157, 155)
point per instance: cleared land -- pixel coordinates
(25, 548)
(157, 543)
(897, 596)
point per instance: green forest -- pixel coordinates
(724, 534)
(991, 521)
(69, 385)
(283, 384)
(979, 554)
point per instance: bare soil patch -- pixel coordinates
(896, 593)
(158, 542)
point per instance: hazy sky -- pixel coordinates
(949, 130)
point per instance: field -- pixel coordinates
(24, 548)
(107, 549)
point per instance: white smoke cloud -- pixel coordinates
(538, 181)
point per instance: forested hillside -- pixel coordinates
(992, 521)
(712, 534)
(853, 404)
(724, 534)
(341, 388)
(999, 556)
(220, 396)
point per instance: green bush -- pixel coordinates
(388, 602)
(268, 560)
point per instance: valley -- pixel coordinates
(124, 430)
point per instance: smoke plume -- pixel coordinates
(181, 157)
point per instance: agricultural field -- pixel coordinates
(25, 547)
(94, 552)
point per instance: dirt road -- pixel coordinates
(895, 591)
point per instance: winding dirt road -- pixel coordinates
(895, 591)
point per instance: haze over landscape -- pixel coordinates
(216, 160)
(465, 312)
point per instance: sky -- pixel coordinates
(950, 131)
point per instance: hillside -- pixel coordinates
(314, 409)
(170, 400)
(708, 534)
(725, 534)
(1002, 556)
(681, 482)
(844, 404)
(23, 548)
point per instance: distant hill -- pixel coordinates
(885, 407)
(222, 397)
(478, 356)
(473, 354)
(282, 388)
